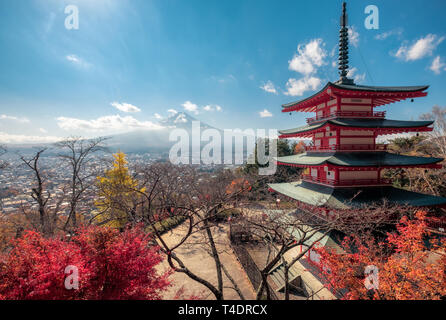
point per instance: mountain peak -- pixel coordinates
(178, 119)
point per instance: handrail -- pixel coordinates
(347, 182)
(348, 114)
(347, 147)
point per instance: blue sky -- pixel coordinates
(228, 63)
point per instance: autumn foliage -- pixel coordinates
(238, 185)
(299, 147)
(118, 190)
(110, 264)
(410, 267)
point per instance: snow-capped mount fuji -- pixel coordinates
(156, 140)
(182, 120)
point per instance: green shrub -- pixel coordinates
(225, 214)
(167, 224)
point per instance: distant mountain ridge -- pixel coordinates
(154, 141)
(181, 120)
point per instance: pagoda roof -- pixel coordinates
(389, 126)
(344, 198)
(357, 159)
(382, 95)
(332, 238)
(357, 87)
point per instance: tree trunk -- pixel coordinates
(287, 283)
(215, 256)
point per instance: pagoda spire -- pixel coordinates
(343, 47)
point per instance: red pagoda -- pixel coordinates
(344, 164)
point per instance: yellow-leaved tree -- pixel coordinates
(118, 195)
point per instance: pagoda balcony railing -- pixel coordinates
(347, 147)
(348, 114)
(348, 182)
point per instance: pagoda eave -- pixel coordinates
(343, 198)
(309, 206)
(378, 131)
(358, 160)
(362, 168)
(379, 95)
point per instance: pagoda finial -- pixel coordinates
(343, 47)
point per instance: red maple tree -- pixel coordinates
(299, 147)
(409, 266)
(110, 265)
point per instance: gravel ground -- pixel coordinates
(193, 254)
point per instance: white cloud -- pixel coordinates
(73, 58)
(6, 117)
(106, 123)
(308, 57)
(77, 61)
(43, 130)
(191, 107)
(437, 65)
(265, 114)
(269, 87)
(210, 107)
(158, 116)
(125, 107)
(382, 36)
(421, 48)
(224, 79)
(352, 73)
(20, 138)
(172, 111)
(353, 36)
(334, 64)
(298, 87)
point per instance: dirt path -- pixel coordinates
(195, 257)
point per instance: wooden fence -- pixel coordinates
(253, 272)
